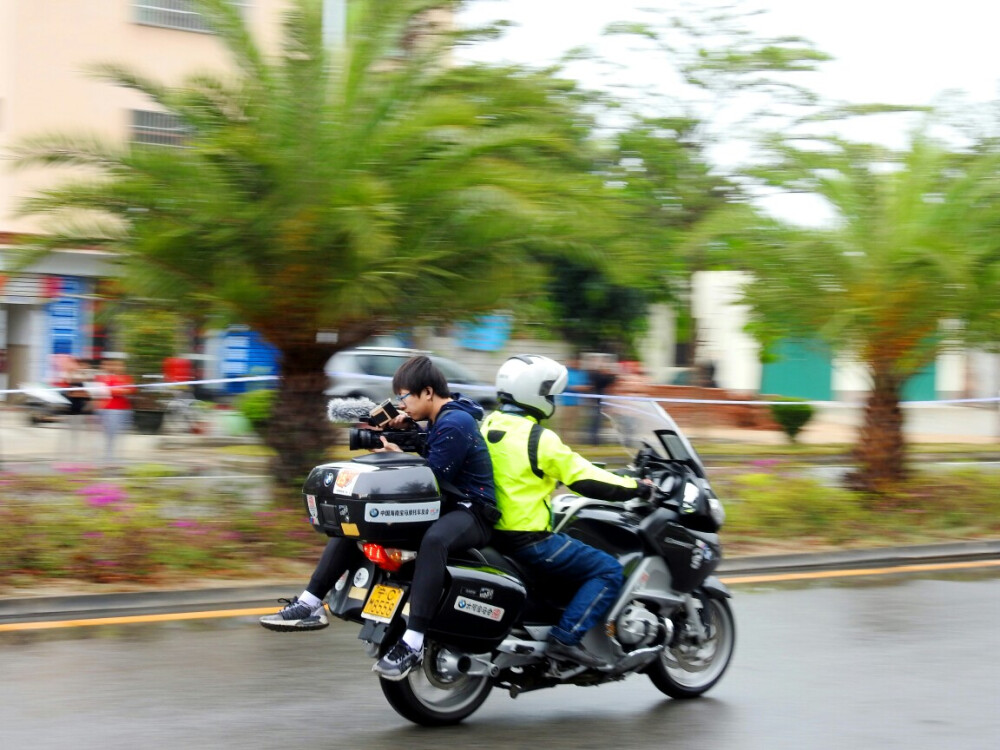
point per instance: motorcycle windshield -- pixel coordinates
(643, 422)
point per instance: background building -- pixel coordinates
(46, 50)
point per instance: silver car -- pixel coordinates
(366, 372)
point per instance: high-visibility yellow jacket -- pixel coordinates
(529, 460)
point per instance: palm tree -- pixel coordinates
(335, 192)
(913, 247)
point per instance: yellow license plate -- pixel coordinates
(382, 603)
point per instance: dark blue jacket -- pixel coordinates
(457, 453)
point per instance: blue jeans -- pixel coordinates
(599, 574)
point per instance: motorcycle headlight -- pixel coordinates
(691, 494)
(716, 510)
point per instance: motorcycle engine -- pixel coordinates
(636, 626)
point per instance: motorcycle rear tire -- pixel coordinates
(676, 681)
(419, 700)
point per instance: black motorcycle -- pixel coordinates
(672, 620)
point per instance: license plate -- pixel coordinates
(383, 603)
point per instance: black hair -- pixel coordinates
(418, 373)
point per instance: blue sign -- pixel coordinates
(489, 333)
(65, 317)
(246, 354)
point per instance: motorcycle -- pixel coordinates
(672, 620)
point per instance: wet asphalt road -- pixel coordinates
(889, 662)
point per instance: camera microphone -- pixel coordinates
(349, 410)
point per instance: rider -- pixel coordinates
(458, 457)
(528, 461)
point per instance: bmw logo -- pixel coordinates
(328, 478)
(461, 604)
(373, 513)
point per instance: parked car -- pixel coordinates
(366, 372)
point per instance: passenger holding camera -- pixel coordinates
(457, 454)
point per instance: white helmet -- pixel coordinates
(531, 381)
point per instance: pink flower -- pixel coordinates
(102, 494)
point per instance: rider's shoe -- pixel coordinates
(296, 615)
(397, 662)
(575, 653)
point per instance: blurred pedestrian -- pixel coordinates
(572, 406)
(115, 408)
(601, 376)
(73, 380)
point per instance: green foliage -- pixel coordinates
(592, 312)
(792, 415)
(350, 190)
(787, 506)
(149, 337)
(913, 246)
(257, 406)
(776, 504)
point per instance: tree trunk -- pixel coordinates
(881, 449)
(299, 431)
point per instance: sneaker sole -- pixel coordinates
(291, 627)
(392, 677)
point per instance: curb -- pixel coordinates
(881, 557)
(90, 606)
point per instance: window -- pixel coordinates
(157, 129)
(175, 14)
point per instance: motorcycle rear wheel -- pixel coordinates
(431, 699)
(691, 669)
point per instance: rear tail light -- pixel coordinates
(388, 558)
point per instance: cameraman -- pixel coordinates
(457, 454)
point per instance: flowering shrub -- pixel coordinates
(778, 502)
(72, 526)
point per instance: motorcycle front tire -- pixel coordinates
(687, 670)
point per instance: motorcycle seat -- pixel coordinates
(493, 558)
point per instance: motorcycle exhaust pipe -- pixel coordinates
(456, 665)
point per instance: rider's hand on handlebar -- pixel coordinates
(646, 489)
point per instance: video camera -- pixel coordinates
(410, 439)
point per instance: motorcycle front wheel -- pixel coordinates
(689, 668)
(431, 698)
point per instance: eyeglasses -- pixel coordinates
(401, 398)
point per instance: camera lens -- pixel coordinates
(359, 439)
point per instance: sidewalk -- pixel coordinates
(23, 444)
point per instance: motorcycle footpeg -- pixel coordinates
(633, 661)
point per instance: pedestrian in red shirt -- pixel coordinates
(115, 406)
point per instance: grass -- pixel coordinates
(777, 506)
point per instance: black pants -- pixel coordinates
(456, 530)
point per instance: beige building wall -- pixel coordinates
(46, 48)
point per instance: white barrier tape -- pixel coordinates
(157, 384)
(848, 404)
(605, 397)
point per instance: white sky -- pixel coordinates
(885, 51)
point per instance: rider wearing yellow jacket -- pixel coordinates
(528, 462)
